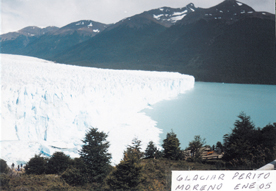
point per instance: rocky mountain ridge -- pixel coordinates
(229, 42)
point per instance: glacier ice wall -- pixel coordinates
(48, 107)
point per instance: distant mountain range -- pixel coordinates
(230, 42)
(46, 42)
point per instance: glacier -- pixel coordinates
(48, 107)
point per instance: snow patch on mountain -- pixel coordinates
(239, 3)
(157, 17)
(80, 23)
(96, 30)
(90, 25)
(48, 107)
(179, 13)
(176, 16)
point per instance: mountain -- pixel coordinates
(120, 43)
(229, 42)
(164, 16)
(31, 31)
(228, 11)
(49, 43)
(15, 42)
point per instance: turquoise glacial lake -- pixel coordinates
(211, 109)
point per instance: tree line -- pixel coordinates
(245, 146)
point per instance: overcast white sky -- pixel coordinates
(17, 14)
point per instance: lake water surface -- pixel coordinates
(210, 110)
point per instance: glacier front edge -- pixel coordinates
(48, 107)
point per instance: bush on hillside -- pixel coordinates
(196, 148)
(74, 177)
(128, 173)
(249, 146)
(36, 165)
(58, 163)
(3, 166)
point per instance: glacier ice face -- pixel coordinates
(48, 107)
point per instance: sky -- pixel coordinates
(17, 14)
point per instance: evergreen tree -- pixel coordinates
(219, 145)
(159, 154)
(268, 140)
(74, 176)
(36, 165)
(248, 146)
(133, 151)
(171, 147)
(128, 173)
(95, 156)
(196, 147)
(78, 163)
(151, 150)
(237, 145)
(58, 163)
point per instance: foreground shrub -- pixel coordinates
(58, 163)
(4, 181)
(128, 173)
(36, 165)
(249, 146)
(16, 182)
(74, 177)
(3, 166)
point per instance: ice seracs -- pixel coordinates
(48, 107)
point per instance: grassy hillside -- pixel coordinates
(156, 176)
